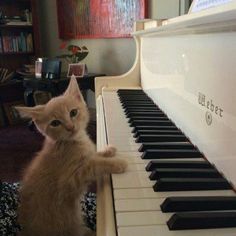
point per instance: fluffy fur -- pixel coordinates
(60, 173)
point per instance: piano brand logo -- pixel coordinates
(208, 117)
(211, 107)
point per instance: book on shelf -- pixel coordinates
(29, 43)
(6, 75)
(22, 42)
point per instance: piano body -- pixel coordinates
(187, 68)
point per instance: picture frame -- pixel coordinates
(12, 114)
(99, 18)
(76, 69)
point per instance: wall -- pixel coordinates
(109, 56)
(165, 9)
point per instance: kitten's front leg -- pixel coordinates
(99, 166)
(109, 151)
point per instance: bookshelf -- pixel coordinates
(19, 33)
(19, 46)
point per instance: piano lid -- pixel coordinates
(188, 68)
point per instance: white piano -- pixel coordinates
(187, 68)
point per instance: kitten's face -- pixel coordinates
(62, 117)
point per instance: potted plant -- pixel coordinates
(75, 53)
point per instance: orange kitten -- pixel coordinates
(61, 171)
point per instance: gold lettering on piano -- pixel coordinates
(211, 107)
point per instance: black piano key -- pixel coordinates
(147, 109)
(154, 127)
(171, 153)
(137, 119)
(202, 220)
(169, 132)
(212, 203)
(138, 108)
(124, 94)
(134, 98)
(151, 122)
(150, 108)
(146, 114)
(161, 138)
(130, 91)
(165, 145)
(136, 103)
(139, 105)
(155, 115)
(190, 184)
(130, 95)
(184, 173)
(152, 165)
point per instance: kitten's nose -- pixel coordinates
(70, 127)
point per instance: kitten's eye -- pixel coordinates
(73, 112)
(55, 123)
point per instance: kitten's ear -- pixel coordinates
(73, 89)
(31, 112)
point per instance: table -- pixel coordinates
(55, 86)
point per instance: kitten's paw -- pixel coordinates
(119, 166)
(109, 151)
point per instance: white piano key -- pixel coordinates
(137, 205)
(126, 148)
(120, 134)
(142, 218)
(124, 141)
(139, 193)
(125, 205)
(136, 160)
(136, 167)
(132, 160)
(132, 178)
(135, 179)
(135, 154)
(138, 164)
(137, 218)
(162, 230)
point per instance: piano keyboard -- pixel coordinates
(170, 188)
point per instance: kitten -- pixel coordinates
(61, 171)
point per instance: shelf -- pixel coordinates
(15, 26)
(15, 53)
(17, 34)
